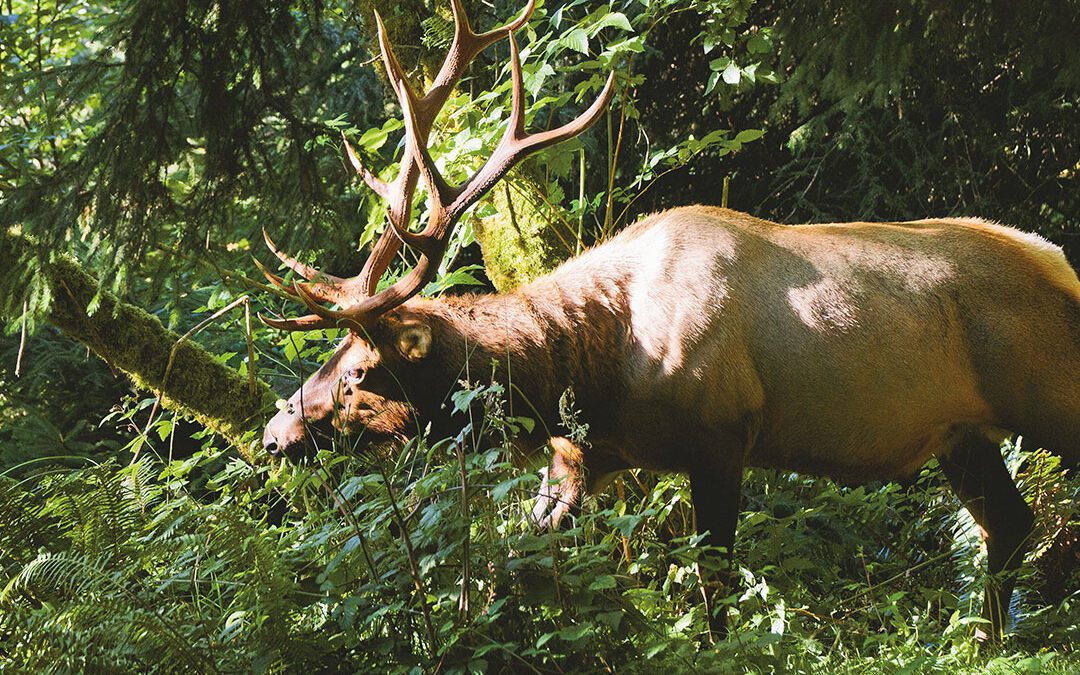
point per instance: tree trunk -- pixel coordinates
(132, 340)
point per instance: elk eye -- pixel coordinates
(356, 375)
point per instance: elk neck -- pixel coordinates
(563, 331)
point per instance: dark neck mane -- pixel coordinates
(546, 337)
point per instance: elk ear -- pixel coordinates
(414, 341)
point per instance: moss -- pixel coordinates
(403, 24)
(134, 341)
(521, 242)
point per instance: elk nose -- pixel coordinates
(270, 442)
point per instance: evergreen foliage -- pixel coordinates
(163, 121)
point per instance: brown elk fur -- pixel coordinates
(703, 340)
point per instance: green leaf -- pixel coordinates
(683, 623)
(477, 666)
(626, 524)
(577, 39)
(575, 633)
(373, 139)
(499, 492)
(611, 619)
(635, 44)
(534, 79)
(757, 44)
(603, 582)
(463, 398)
(527, 423)
(713, 79)
(732, 74)
(765, 639)
(164, 428)
(747, 135)
(615, 19)
(544, 639)
(462, 276)
(655, 649)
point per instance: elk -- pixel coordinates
(702, 340)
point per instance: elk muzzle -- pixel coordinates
(286, 432)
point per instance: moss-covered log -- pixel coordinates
(521, 241)
(133, 341)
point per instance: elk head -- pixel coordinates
(358, 388)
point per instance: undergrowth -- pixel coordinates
(424, 560)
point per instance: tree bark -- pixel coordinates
(135, 342)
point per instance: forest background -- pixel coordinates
(145, 144)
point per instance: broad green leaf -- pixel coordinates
(747, 135)
(683, 623)
(616, 19)
(757, 44)
(635, 44)
(574, 633)
(373, 139)
(534, 78)
(577, 39)
(732, 74)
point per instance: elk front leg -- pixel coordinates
(562, 484)
(715, 488)
(978, 476)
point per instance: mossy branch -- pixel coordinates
(133, 341)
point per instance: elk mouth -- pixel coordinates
(371, 428)
(301, 442)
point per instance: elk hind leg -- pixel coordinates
(978, 476)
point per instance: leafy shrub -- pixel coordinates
(424, 559)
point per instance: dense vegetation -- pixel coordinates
(152, 139)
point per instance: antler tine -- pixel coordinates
(431, 247)
(377, 185)
(382, 254)
(327, 288)
(273, 278)
(514, 146)
(467, 43)
(309, 322)
(364, 312)
(292, 263)
(394, 73)
(321, 317)
(313, 301)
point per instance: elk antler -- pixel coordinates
(464, 48)
(448, 203)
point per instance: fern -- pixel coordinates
(204, 565)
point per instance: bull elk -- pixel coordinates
(702, 340)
